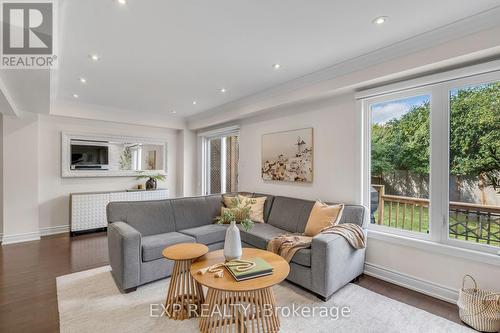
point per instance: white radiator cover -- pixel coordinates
(88, 210)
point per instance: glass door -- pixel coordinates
(221, 167)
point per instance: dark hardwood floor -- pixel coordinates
(28, 271)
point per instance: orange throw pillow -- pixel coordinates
(322, 216)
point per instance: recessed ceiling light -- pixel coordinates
(194, 102)
(75, 95)
(380, 20)
(122, 2)
(83, 80)
(276, 66)
(94, 57)
(223, 90)
(173, 112)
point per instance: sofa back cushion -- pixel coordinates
(214, 203)
(290, 214)
(353, 214)
(147, 217)
(196, 211)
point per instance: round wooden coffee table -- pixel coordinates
(246, 306)
(185, 295)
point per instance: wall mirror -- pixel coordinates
(88, 155)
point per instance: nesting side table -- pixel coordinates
(185, 295)
(245, 306)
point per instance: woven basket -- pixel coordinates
(479, 308)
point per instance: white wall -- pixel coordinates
(438, 269)
(20, 177)
(35, 196)
(186, 163)
(54, 191)
(1, 176)
(337, 141)
(337, 177)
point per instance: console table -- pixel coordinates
(88, 210)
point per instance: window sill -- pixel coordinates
(439, 248)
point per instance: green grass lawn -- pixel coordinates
(423, 227)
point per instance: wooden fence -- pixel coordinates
(472, 222)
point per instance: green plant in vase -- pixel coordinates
(238, 212)
(152, 182)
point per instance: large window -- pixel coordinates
(221, 156)
(432, 159)
(400, 139)
(474, 170)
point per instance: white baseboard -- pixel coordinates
(422, 286)
(58, 229)
(32, 236)
(19, 238)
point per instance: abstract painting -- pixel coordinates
(288, 156)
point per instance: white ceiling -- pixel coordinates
(160, 55)
(28, 89)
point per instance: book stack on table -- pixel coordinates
(262, 268)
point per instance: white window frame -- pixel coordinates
(367, 122)
(205, 137)
(446, 88)
(438, 87)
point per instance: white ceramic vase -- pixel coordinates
(232, 244)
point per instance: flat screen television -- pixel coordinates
(90, 156)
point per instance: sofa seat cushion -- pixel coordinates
(260, 234)
(153, 246)
(207, 234)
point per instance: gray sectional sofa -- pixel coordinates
(139, 231)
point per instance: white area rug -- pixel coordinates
(89, 301)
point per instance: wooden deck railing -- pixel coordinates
(472, 222)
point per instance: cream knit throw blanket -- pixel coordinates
(287, 245)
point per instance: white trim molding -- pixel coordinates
(432, 80)
(229, 130)
(439, 248)
(410, 282)
(58, 229)
(20, 238)
(33, 236)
